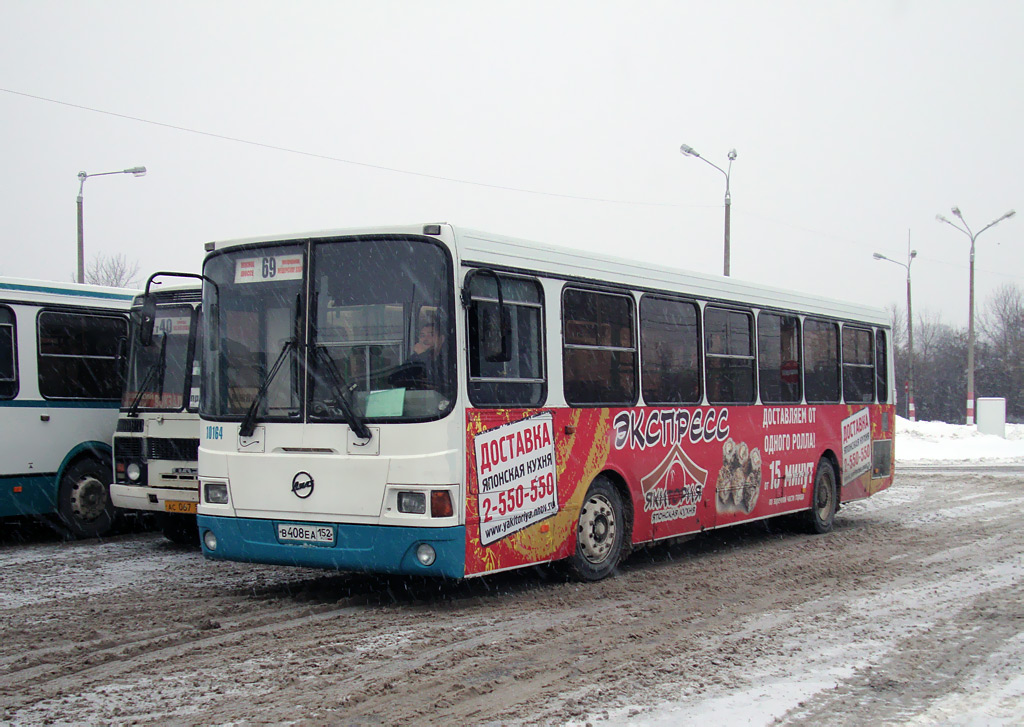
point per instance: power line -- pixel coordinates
(328, 157)
(437, 177)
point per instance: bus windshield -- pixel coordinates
(157, 373)
(374, 342)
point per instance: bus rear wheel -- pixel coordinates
(600, 531)
(84, 507)
(821, 517)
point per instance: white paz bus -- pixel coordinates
(437, 401)
(156, 446)
(62, 350)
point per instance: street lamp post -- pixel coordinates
(691, 152)
(82, 176)
(911, 254)
(970, 306)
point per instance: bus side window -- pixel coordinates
(858, 365)
(599, 348)
(821, 361)
(778, 358)
(8, 355)
(78, 355)
(729, 356)
(522, 380)
(669, 351)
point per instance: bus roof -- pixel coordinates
(48, 292)
(475, 247)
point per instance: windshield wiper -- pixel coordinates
(248, 425)
(157, 367)
(341, 391)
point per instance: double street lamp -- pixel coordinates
(970, 307)
(82, 176)
(911, 254)
(691, 152)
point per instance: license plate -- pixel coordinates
(182, 508)
(319, 534)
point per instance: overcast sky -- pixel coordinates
(554, 121)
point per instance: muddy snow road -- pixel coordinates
(909, 611)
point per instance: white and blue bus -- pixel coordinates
(439, 401)
(62, 350)
(156, 446)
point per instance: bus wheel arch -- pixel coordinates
(603, 528)
(84, 507)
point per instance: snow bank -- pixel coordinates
(938, 442)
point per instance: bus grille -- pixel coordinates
(184, 450)
(128, 447)
(130, 425)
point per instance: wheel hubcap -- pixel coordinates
(823, 496)
(596, 532)
(88, 498)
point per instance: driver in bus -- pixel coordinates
(426, 353)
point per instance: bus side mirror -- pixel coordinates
(147, 320)
(495, 332)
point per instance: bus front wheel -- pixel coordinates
(83, 501)
(821, 517)
(599, 533)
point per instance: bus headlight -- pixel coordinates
(215, 493)
(412, 502)
(425, 554)
(134, 472)
(210, 540)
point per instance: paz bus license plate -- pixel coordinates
(318, 534)
(183, 508)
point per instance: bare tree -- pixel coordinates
(114, 270)
(1001, 360)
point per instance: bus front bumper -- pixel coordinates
(366, 548)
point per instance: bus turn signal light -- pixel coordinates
(440, 503)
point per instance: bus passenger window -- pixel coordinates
(78, 355)
(858, 365)
(522, 380)
(821, 361)
(669, 351)
(778, 358)
(599, 349)
(729, 356)
(8, 355)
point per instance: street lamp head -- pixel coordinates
(1009, 214)
(940, 218)
(732, 155)
(137, 171)
(878, 256)
(688, 150)
(913, 254)
(956, 211)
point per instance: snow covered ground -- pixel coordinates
(994, 697)
(941, 443)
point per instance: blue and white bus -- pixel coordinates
(62, 350)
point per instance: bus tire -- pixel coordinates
(84, 507)
(821, 517)
(600, 531)
(180, 529)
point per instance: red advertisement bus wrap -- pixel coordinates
(687, 469)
